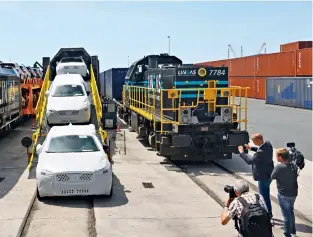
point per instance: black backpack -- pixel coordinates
(254, 220)
(299, 159)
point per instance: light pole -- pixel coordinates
(169, 45)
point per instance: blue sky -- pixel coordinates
(200, 31)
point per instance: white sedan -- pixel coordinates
(68, 101)
(72, 162)
(72, 65)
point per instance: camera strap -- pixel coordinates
(236, 224)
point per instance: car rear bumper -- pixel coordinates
(101, 184)
(81, 70)
(79, 116)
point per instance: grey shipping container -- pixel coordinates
(102, 83)
(114, 81)
(289, 91)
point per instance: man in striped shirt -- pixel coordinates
(234, 208)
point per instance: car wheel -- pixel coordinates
(39, 197)
(111, 191)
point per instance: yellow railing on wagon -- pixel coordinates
(97, 103)
(144, 100)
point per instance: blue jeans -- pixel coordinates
(264, 190)
(287, 208)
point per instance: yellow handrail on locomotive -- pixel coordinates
(145, 105)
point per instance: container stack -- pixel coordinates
(293, 60)
(112, 81)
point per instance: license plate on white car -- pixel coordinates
(65, 121)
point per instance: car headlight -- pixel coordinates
(46, 173)
(104, 170)
(52, 110)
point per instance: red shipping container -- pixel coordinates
(242, 67)
(204, 64)
(276, 64)
(244, 82)
(304, 62)
(219, 63)
(260, 88)
(295, 46)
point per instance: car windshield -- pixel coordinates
(72, 143)
(71, 60)
(6, 65)
(68, 90)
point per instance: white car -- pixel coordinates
(27, 74)
(38, 71)
(68, 101)
(70, 65)
(72, 162)
(15, 67)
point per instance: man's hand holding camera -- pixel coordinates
(244, 148)
(229, 201)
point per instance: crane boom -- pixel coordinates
(263, 46)
(230, 48)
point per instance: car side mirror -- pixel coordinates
(38, 149)
(88, 93)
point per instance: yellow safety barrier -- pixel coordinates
(97, 103)
(149, 102)
(40, 110)
(42, 100)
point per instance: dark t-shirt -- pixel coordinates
(286, 179)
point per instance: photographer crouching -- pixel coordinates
(248, 210)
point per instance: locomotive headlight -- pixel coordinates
(185, 112)
(226, 111)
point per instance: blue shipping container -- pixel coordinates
(102, 83)
(289, 91)
(114, 81)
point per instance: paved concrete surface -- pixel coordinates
(13, 159)
(281, 124)
(216, 179)
(15, 206)
(176, 206)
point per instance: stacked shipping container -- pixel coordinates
(294, 60)
(290, 91)
(112, 81)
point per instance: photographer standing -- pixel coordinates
(248, 210)
(286, 175)
(262, 165)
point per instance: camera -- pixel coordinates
(230, 190)
(296, 157)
